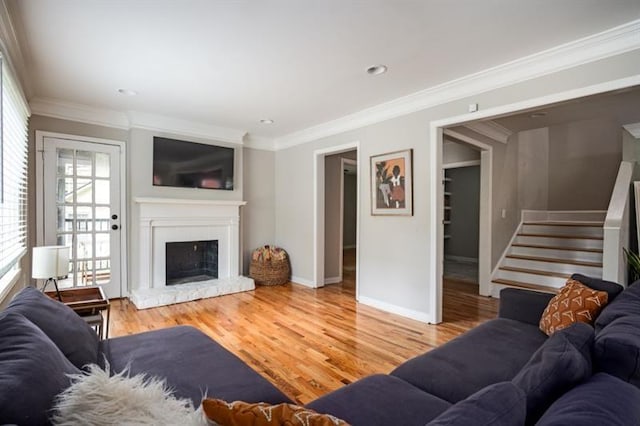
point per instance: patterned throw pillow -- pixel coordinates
(574, 303)
(240, 413)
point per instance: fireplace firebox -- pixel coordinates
(190, 261)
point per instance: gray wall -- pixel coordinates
(254, 167)
(533, 169)
(258, 215)
(394, 252)
(140, 158)
(455, 152)
(584, 158)
(37, 122)
(332, 239)
(464, 228)
(350, 219)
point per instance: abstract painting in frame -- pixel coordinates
(392, 183)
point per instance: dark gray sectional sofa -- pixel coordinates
(503, 372)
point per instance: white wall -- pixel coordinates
(394, 252)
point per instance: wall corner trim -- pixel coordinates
(611, 42)
(634, 129)
(302, 281)
(394, 309)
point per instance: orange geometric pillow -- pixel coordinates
(574, 303)
(240, 413)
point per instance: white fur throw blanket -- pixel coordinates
(98, 398)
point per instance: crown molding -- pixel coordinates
(78, 112)
(10, 46)
(258, 142)
(614, 41)
(161, 123)
(133, 119)
(490, 129)
(634, 129)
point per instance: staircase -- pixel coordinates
(544, 253)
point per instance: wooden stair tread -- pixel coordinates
(590, 224)
(535, 272)
(528, 286)
(576, 237)
(590, 250)
(555, 260)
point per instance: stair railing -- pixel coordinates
(616, 226)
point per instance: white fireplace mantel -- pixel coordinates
(164, 220)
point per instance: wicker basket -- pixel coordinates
(270, 266)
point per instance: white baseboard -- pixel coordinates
(349, 247)
(398, 310)
(302, 281)
(332, 280)
(461, 259)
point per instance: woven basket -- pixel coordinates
(270, 266)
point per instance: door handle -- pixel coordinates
(114, 227)
(114, 216)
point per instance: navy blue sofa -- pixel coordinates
(507, 372)
(503, 372)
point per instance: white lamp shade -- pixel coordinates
(50, 262)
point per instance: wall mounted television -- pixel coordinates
(192, 165)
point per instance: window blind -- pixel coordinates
(13, 172)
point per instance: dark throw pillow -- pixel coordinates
(77, 341)
(32, 372)
(562, 362)
(617, 349)
(501, 404)
(612, 289)
(602, 400)
(626, 304)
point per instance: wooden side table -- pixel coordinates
(89, 303)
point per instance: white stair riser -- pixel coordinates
(532, 278)
(564, 268)
(563, 230)
(563, 242)
(557, 254)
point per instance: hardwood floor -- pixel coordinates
(310, 341)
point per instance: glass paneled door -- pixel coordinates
(81, 196)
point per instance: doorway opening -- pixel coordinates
(336, 196)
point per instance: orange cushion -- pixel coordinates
(574, 303)
(240, 413)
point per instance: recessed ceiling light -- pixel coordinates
(266, 121)
(127, 92)
(538, 114)
(377, 69)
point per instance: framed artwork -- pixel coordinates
(392, 183)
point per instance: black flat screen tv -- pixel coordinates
(192, 165)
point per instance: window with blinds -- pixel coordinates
(13, 172)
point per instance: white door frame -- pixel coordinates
(351, 162)
(318, 210)
(40, 136)
(436, 196)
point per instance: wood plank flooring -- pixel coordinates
(311, 341)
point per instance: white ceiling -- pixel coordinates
(298, 62)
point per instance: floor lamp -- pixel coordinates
(49, 263)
